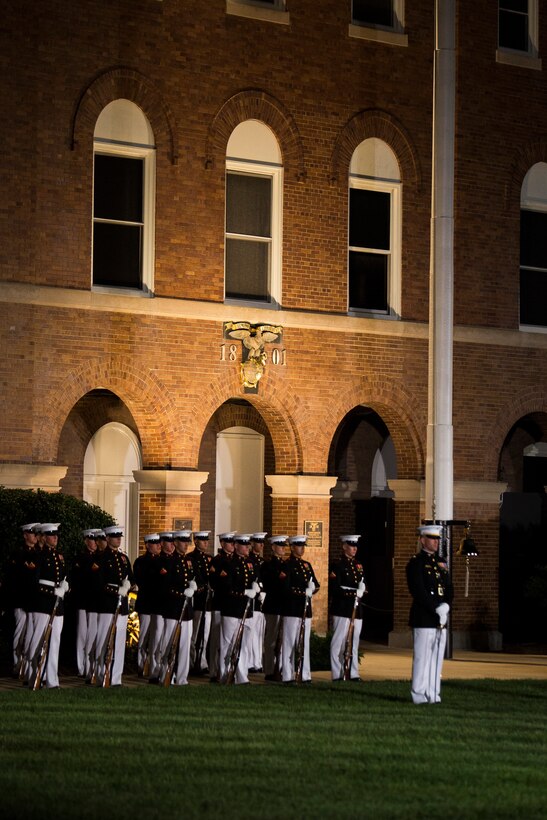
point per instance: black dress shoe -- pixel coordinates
(155, 681)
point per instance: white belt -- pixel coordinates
(47, 583)
(349, 589)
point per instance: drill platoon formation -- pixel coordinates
(220, 616)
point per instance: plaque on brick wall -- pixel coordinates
(182, 523)
(313, 530)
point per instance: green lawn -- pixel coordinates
(324, 751)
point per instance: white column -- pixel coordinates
(439, 464)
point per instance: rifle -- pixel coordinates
(348, 646)
(196, 668)
(236, 648)
(44, 648)
(300, 644)
(170, 656)
(19, 669)
(111, 645)
(278, 645)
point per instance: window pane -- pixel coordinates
(369, 222)
(117, 255)
(533, 239)
(248, 205)
(118, 188)
(513, 31)
(533, 297)
(514, 5)
(373, 12)
(247, 269)
(368, 281)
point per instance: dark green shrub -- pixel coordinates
(19, 507)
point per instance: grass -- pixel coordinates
(325, 751)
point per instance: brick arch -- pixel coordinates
(143, 394)
(384, 126)
(530, 401)
(277, 407)
(393, 405)
(255, 105)
(124, 83)
(532, 152)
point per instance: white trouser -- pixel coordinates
(50, 672)
(90, 650)
(157, 623)
(338, 644)
(19, 635)
(228, 631)
(104, 622)
(427, 663)
(271, 632)
(182, 665)
(257, 641)
(143, 647)
(197, 618)
(291, 633)
(81, 638)
(214, 644)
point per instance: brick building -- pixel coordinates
(179, 174)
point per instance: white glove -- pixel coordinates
(189, 591)
(192, 585)
(442, 611)
(361, 589)
(124, 588)
(256, 587)
(250, 593)
(261, 597)
(60, 591)
(310, 589)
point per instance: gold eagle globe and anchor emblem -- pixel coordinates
(253, 356)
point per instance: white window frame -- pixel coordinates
(394, 189)
(275, 174)
(517, 57)
(539, 206)
(256, 10)
(148, 155)
(391, 35)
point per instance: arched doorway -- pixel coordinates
(110, 458)
(237, 452)
(523, 533)
(239, 497)
(363, 457)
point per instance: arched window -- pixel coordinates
(123, 198)
(533, 247)
(374, 264)
(254, 192)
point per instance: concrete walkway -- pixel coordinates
(385, 663)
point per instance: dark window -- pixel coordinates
(248, 236)
(513, 25)
(373, 12)
(533, 268)
(369, 232)
(117, 221)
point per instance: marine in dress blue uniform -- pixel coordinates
(300, 584)
(201, 563)
(274, 589)
(431, 589)
(240, 587)
(346, 589)
(116, 580)
(178, 588)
